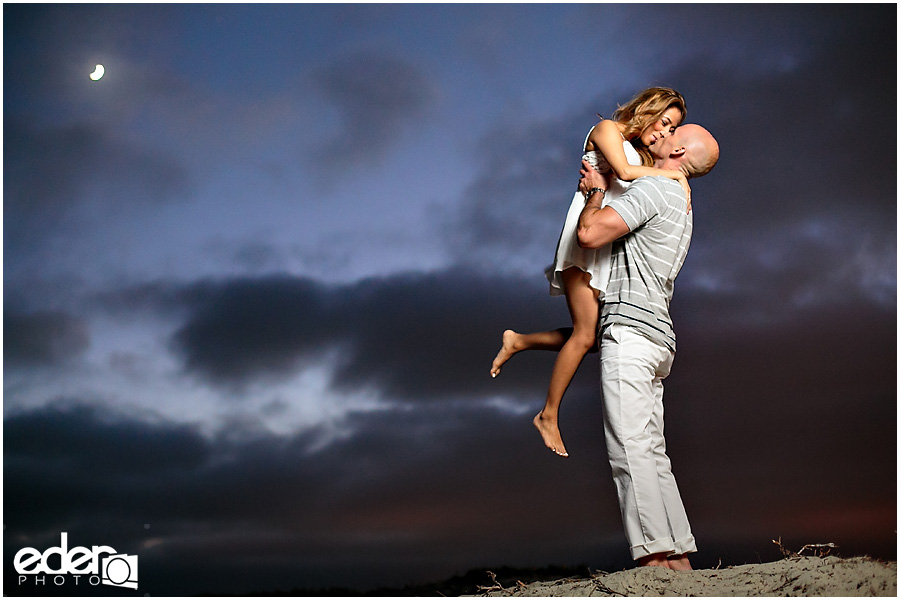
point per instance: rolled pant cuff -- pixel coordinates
(685, 546)
(653, 547)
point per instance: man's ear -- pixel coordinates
(679, 151)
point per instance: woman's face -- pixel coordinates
(662, 127)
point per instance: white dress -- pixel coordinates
(568, 252)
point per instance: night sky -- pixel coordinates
(254, 278)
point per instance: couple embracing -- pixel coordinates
(624, 241)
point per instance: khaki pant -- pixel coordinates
(632, 370)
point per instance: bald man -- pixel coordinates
(649, 227)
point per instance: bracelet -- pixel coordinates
(592, 190)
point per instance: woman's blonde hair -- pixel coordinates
(644, 109)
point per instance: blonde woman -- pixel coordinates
(618, 147)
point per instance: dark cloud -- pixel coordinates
(59, 179)
(99, 444)
(397, 496)
(376, 98)
(772, 277)
(757, 430)
(431, 337)
(434, 336)
(514, 209)
(788, 410)
(797, 372)
(44, 338)
(53, 169)
(412, 336)
(253, 327)
(112, 464)
(792, 146)
(801, 209)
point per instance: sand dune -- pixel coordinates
(796, 576)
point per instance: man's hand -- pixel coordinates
(590, 178)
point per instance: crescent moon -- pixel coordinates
(98, 72)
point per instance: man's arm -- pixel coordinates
(597, 226)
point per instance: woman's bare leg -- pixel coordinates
(583, 306)
(516, 342)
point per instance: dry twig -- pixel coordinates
(820, 550)
(784, 551)
(491, 588)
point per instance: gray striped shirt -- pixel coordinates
(646, 261)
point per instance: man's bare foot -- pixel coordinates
(654, 560)
(550, 432)
(679, 562)
(509, 347)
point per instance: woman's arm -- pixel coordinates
(607, 139)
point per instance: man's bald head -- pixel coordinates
(691, 149)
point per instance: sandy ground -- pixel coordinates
(798, 576)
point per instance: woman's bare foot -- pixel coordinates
(550, 432)
(509, 347)
(679, 562)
